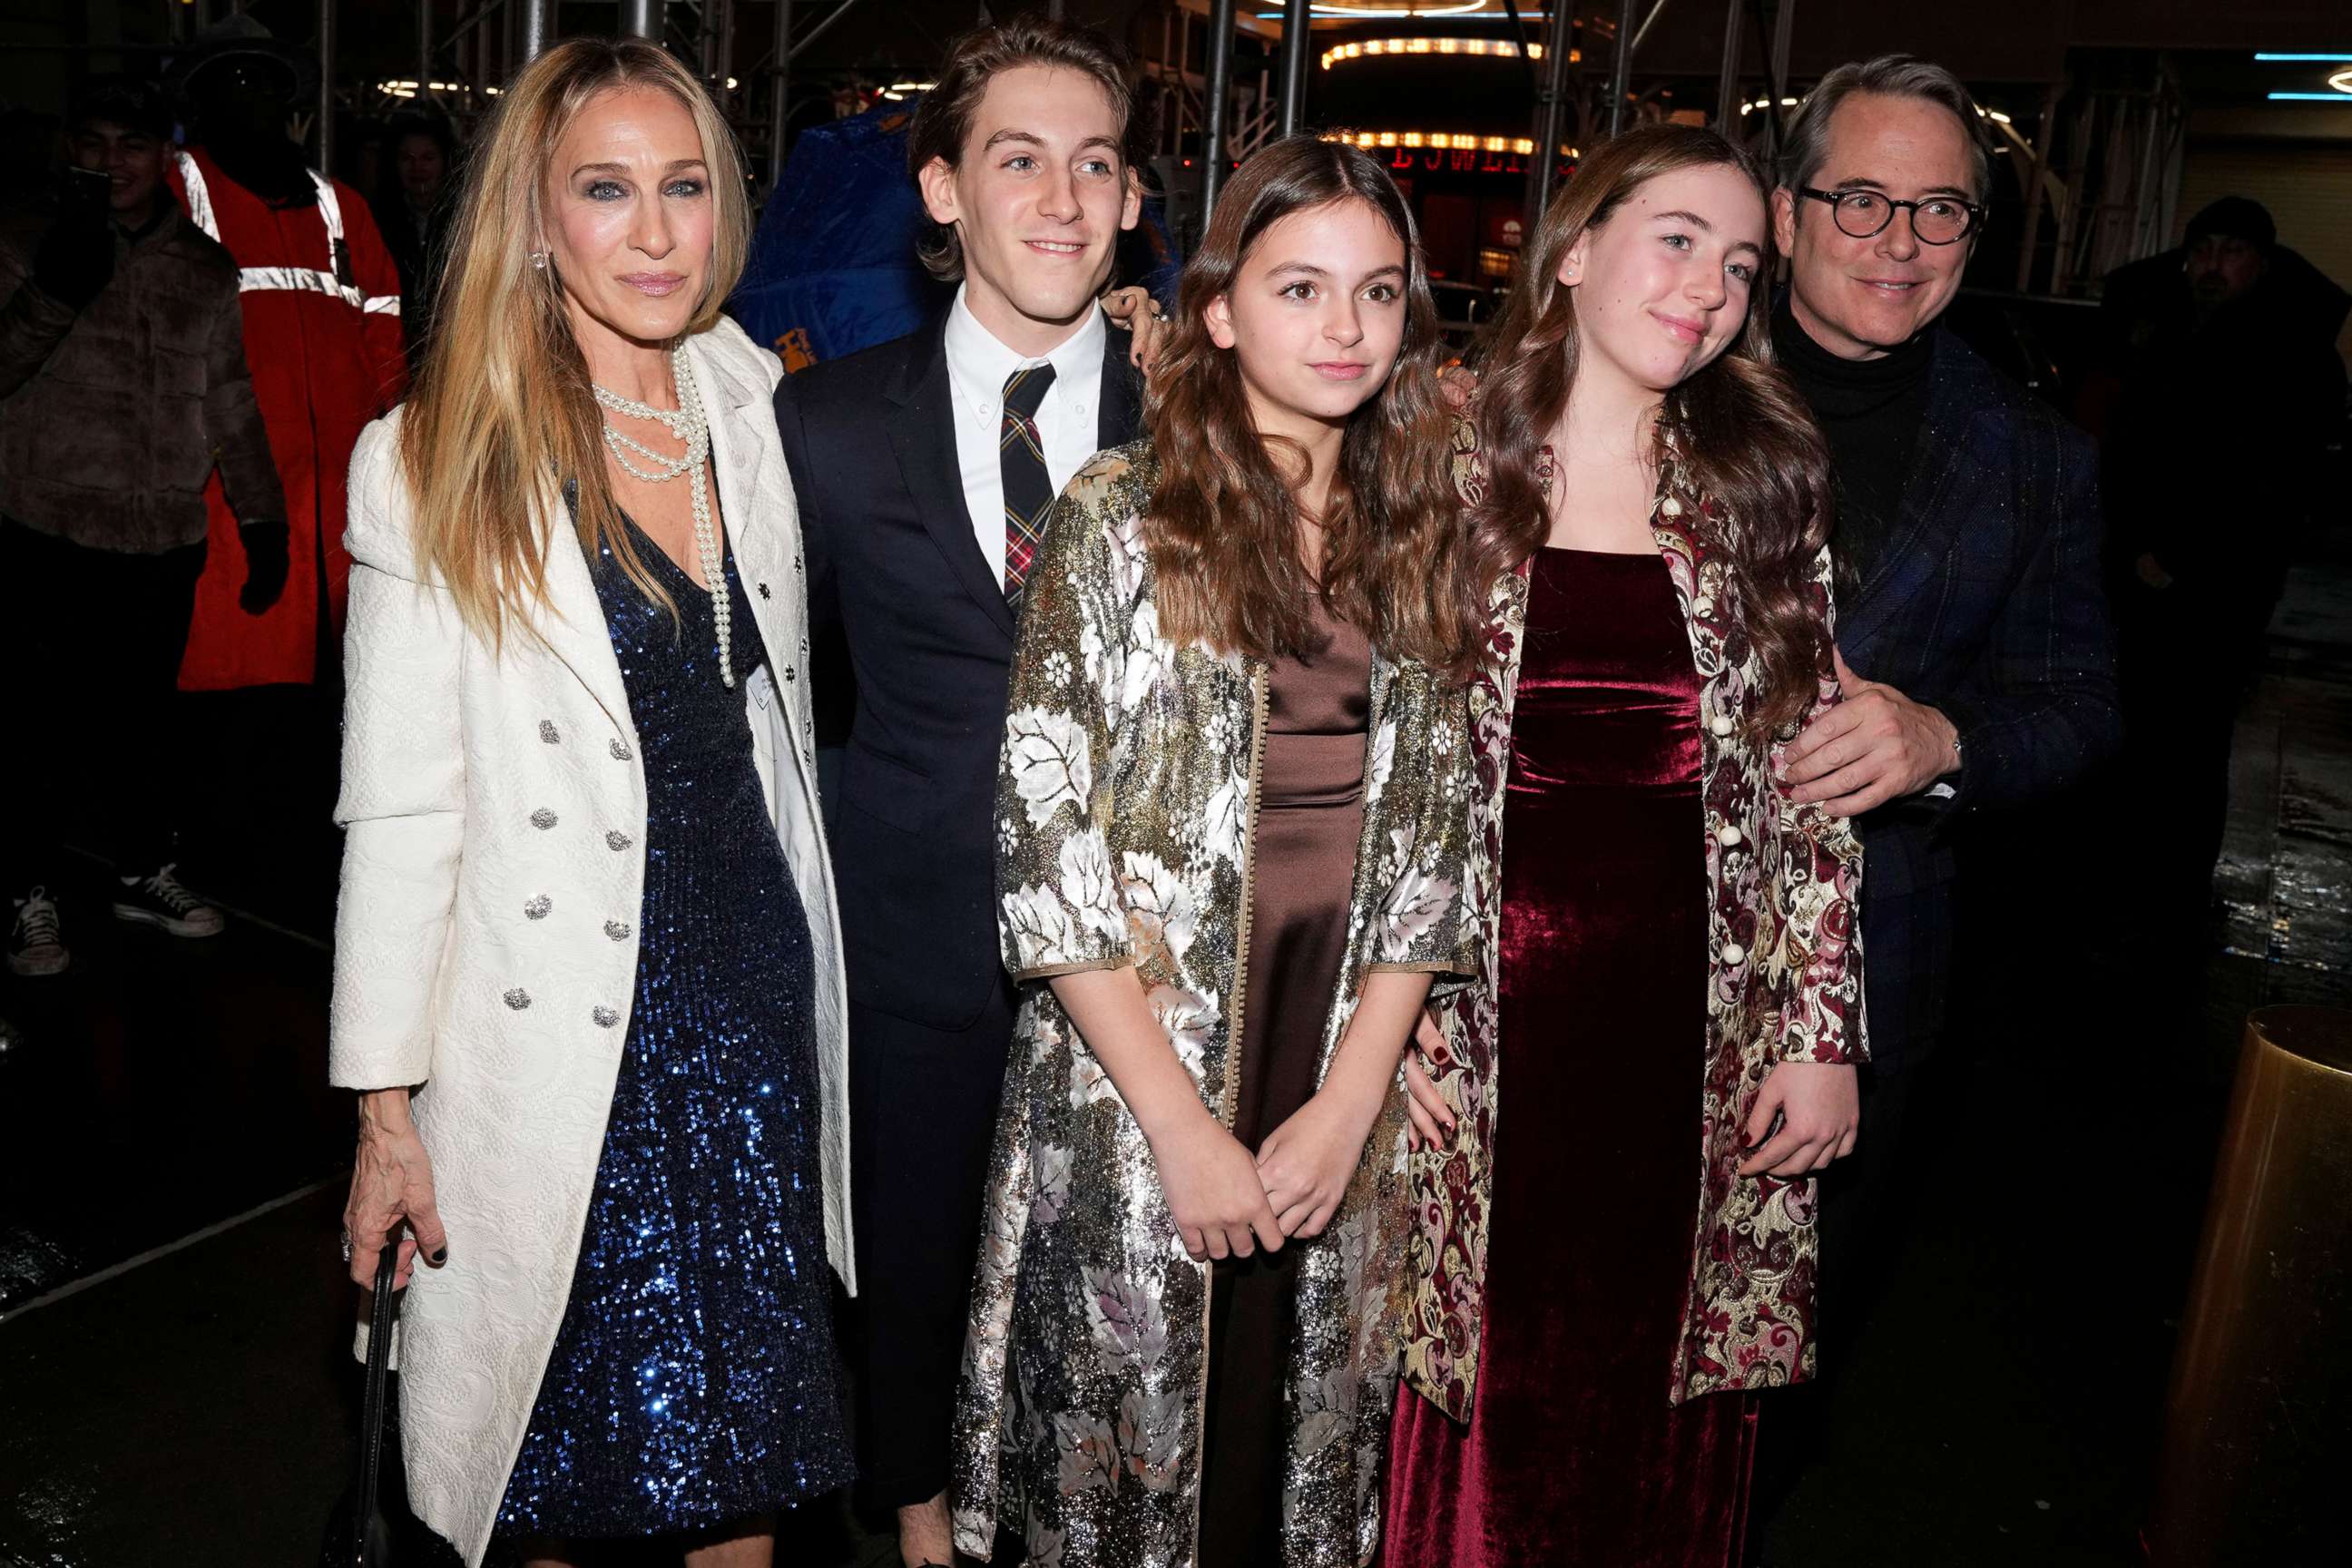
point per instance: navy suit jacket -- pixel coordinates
(1987, 603)
(894, 569)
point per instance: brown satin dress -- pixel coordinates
(1310, 816)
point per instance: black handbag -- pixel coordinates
(371, 1539)
(363, 1533)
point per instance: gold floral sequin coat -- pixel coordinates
(1784, 979)
(1126, 805)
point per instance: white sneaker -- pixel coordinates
(35, 946)
(160, 900)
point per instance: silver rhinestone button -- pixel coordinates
(617, 929)
(605, 1016)
(617, 841)
(549, 733)
(542, 819)
(537, 909)
(620, 752)
(518, 998)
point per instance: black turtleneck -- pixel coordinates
(1870, 410)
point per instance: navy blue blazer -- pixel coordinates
(1988, 604)
(894, 571)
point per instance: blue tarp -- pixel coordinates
(833, 266)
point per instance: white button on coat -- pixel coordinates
(1733, 954)
(1721, 724)
(1727, 836)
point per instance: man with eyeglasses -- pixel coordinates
(1973, 640)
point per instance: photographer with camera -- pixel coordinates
(122, 385)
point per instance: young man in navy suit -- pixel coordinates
(924, 469)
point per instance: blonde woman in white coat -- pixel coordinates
(586, 976)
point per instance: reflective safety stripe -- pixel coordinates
(329, 208)
(305, 280)
(200, 200)
(298, 280)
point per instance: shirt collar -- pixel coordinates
(980, 365)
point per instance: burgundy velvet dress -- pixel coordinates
(1572, 1455)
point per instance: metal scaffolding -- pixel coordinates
(1552, 99)
(534, 27)
(644, 18)
(460, 71)
(1212, 118)
(1297, 48)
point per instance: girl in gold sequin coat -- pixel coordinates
(1161, 643)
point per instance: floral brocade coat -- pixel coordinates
(1127, 802)
(1783, 977)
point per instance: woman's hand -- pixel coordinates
(1134, 308)
(1214, 1192)
(1432, 1118)
(391, 1181)
(1307, 1162)
(1456, 382)
(1820, 1107)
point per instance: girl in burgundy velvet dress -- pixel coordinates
(1669, 1006)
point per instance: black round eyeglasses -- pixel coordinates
(1864, 215)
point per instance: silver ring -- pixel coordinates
(347, 1246)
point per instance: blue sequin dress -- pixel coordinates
(693, 1380)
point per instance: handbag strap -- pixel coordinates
(385, 1308)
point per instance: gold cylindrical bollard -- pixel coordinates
(2258, 1439)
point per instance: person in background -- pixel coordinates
(2215, 455)
(321, 301)
(123, 389)
(924, 468)
(1232, 829)
(1584, 1392)
(415, 180)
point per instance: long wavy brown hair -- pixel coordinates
(1222, 528)
(1740, 431)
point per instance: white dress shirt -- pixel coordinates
(978, 367)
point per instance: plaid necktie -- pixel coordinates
(1021, 453)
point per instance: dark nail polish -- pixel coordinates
(438, 1258)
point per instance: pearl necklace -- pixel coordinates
(691, 426)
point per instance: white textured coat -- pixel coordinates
(486, 942)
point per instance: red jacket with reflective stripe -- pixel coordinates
(326, 358)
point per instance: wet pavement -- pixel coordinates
(175, 1381)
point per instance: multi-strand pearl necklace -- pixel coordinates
(691, 426)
